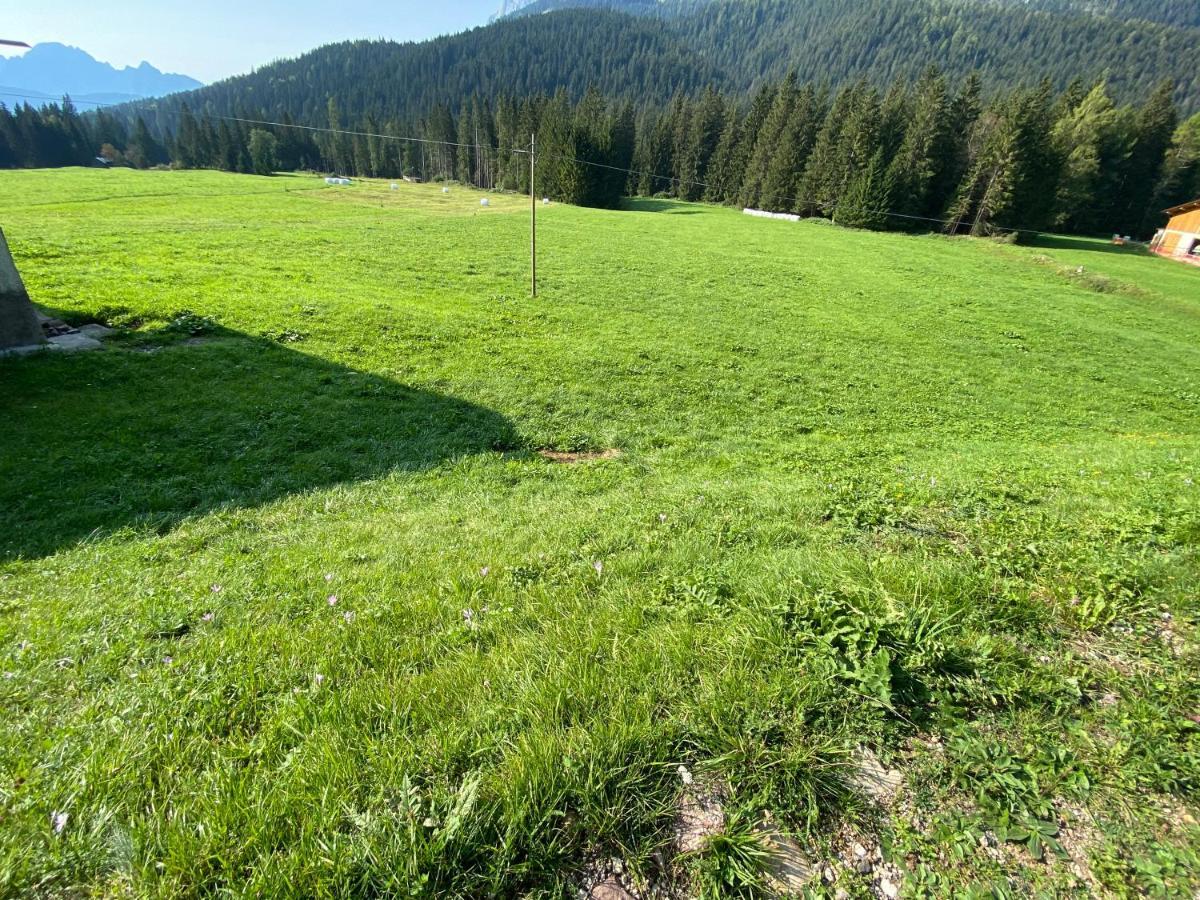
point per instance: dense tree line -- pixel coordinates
(929, 153)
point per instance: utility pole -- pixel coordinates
(533, 212)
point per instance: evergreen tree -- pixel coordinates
(263, 147)
(924, 151)
(707, 121)
(723, 181)
(782, 182)
(187, 142)
(986, 193)
(1080, 135)
(1180, 181)
(767, 141)
(1153, 132)
(861, 205)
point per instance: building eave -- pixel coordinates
(1183, 208)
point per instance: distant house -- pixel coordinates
(1181, 238)
(99, 162)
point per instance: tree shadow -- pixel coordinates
(1095, 245)
(675, 207)
(146, 437)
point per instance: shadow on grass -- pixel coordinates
(675, 207)
(1089, 245)
(98, 442)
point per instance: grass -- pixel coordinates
(291, 605)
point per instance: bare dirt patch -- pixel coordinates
(569, 459)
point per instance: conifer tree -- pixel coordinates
(768, 140)
(986, 193)
(1154, 129)
(723, 181)
(1079, 137)
(862, 203)
(782, 182)
(924, 150)
(1180, 181)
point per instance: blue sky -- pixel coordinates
(214, 39)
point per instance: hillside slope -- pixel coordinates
(294, 607)
(732, 43)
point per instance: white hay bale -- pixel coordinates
(395, 187)
(445, 190)
(485, 202)
(545, 201)
(763, 214)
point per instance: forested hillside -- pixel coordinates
(1167, 12)
(730, 44)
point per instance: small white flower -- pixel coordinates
(684, 775)
(329, 576)
(216, 589)
(348, 616)
(332, 601)
(599, 567)
(469, 616)
(207, 617)
(483, 573)
(167, 660)
(662, 517)
(9, 676)
(318, 678)
(58, 820)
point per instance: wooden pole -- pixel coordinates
(533, 212)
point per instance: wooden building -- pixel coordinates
(1181, 238)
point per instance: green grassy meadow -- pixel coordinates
(291, 603)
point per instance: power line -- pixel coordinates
(244, 121)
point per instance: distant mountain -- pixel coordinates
(52, 70)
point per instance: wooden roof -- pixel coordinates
(1184, 208)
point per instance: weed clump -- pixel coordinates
(189, 323)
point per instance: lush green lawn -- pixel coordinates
(934, 497)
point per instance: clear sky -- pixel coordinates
(213, 39)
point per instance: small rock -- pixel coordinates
(889, 888)
(828, 875)
(74, 343)
(788, 868)
(859, 850)
(875, 780)
(610, 890)
(698, 817)
(864, 867)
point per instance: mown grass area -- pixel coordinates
(291, 604)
